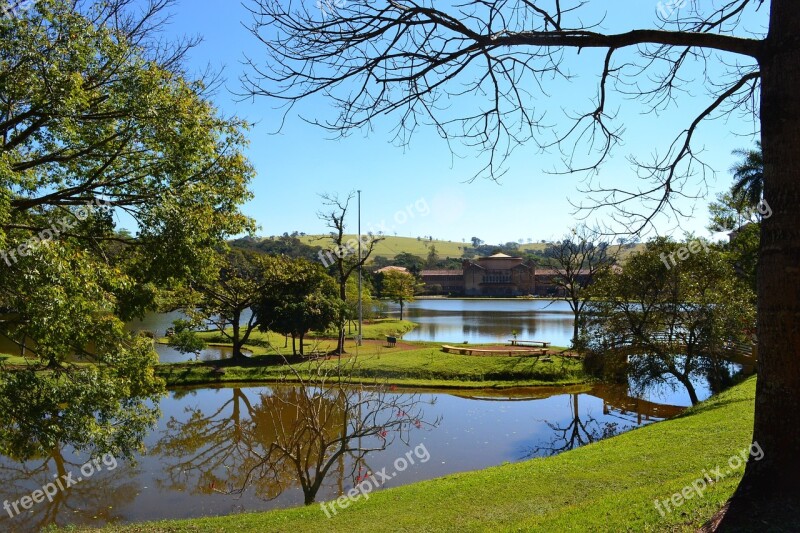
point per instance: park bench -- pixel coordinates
(521, 342)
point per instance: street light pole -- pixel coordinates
(360, 311)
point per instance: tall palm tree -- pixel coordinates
(748, 175)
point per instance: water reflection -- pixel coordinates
(440, 320)
(96, 500)
(290, 436)
(485, 321)
(578, 431)
(211, 442)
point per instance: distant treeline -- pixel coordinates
(292, 246)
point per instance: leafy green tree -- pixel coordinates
(730, 212)
(413, 263)
(224, 301)
(658, 317)
(299, 297)
(742, 253)
(184, 338)
(61, 307)
(97, 119)
(400, 287)
(433, 257)
(748, 175)
(351, 303)
(738, 212)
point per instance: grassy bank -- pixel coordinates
(607, 486)
(426, 366)
(416, 364)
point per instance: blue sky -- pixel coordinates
(301, 161)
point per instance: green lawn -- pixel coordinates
(14, 359)
(410, 364)
(607, 486)
(426, 366)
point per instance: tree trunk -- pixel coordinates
(401, 310)
(237, 342)
(301, 342)
(768, 495)
(340, 342)
(294, 346)
(343, 296)
(687, 383)
(575, 328)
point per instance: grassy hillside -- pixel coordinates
(392, 246)
(607, 486)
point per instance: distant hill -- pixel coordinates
(308, 246)
(392, 246)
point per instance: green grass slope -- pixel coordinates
(423, 367)
(393, 246)
(607, 486)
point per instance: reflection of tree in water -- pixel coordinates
(293, 436)
(578, 432)
(207, 444)
(98, 499)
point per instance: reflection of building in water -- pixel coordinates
(617, 402)
(496, 275)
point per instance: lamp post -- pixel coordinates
(360, 311)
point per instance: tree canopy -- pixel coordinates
(100, 124)
(299, 297)
(399, 287)
(672, 311)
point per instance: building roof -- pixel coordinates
(498, 255)
(553, 272)
(391, 268)
(441, 273)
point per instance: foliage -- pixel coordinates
(748, 175)
(433, 257)
(400, 287)
(730, 212)
(184, 338)
(226, 299)
(288, 245)
(660, 319)
(99, 119)
(351, 302)
(413, 263)
(742, 253)
(299, 296)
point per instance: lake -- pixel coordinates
(440, 320)
(487, 320)
(207, 438)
